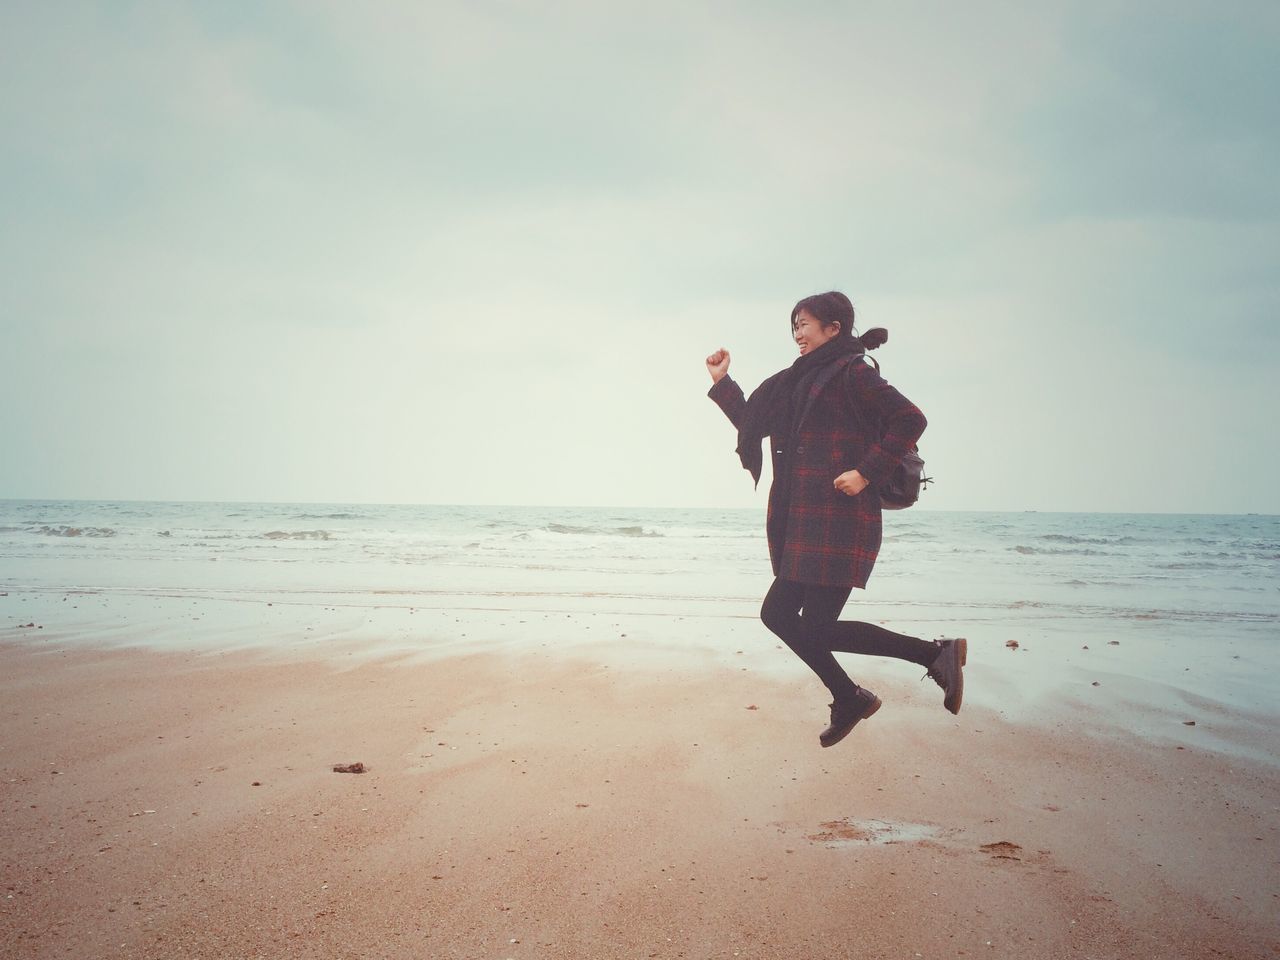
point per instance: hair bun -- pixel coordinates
(875, 337)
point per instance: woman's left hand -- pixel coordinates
(851, 483)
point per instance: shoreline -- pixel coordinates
(1148, 685)
(544, 802)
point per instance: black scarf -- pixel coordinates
(775, 406)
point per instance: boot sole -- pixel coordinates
(961, 646)
(876, 705)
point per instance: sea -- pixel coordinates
(1171, 568)
(1190, 601)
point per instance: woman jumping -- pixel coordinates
(836, 429)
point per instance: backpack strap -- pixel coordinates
(872, 427)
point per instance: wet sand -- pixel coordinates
(537, 803)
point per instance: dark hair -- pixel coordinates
(829, 308)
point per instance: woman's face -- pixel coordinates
(810, 334)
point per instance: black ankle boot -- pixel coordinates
(845, 714)
(947, 671)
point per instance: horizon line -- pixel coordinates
(568, 506)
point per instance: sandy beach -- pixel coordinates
(586, 803)
(413, 412)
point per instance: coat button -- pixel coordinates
(800, 450)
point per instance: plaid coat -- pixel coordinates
(818, 535)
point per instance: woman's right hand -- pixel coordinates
(718, 365)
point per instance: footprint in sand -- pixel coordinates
(1002, 850)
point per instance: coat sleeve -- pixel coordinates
(901, 421)
(729, 398)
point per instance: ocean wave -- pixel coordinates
(1042, 551)
(1123, 584)
(564, 528)
(329, 516)
(1097, 541)
(62, 530)
(1238, 543)
(298, 535)
(1036, 609)
(709, 533)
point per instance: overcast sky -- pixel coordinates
(476, 252)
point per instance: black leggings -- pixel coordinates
(804, 617)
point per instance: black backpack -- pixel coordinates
(904, 485)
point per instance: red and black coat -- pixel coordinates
(817, 534)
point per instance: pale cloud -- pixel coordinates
(476, 252)
(1163, 112)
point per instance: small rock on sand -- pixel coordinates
(1011, 644)
(349, 767)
